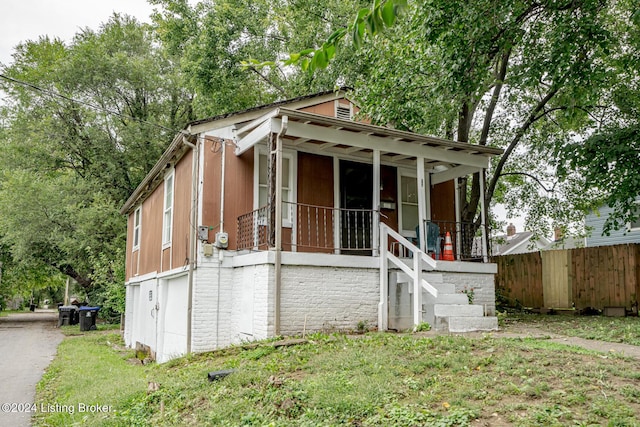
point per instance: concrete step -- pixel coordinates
(429, 303)
(471, 324)
(444, 298)
(432, 278)
(458, 310)
(465, 324)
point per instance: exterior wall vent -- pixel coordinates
(343, 111)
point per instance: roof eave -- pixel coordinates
(148, 183)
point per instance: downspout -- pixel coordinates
(278, 242)
(223, 160)
(193, 237)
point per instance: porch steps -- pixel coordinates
(450, 311)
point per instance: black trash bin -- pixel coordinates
(88, 317)
(67, 315)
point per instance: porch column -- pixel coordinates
(375, 226)
(278, 237)
(483, 219)
(422, 204)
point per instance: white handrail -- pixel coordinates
(410, 246)
(418, 255)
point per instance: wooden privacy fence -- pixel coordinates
(599, 277)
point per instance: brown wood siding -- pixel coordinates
(443, 202)
(166, 259)
(325, 109)
(315, 188)
(151, 232)
(329, 109)
(181, 212)
(389, 193)
(238, 188)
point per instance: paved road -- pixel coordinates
(28, 343)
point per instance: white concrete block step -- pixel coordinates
(458, 310)
(465, 324)
(445, 288)
(432, 278)
(472, 324)
(445, 298)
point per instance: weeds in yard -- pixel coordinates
(422, 327)
(470, 293)
(375, 379)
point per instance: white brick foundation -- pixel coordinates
(327, 298)
(233, 298)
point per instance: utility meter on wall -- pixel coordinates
(222, 240)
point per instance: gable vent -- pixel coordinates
(343, 112)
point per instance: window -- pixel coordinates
(137, 217)
(409, 217)
(288, 174)
(168, 210)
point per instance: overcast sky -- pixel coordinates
(22, 20)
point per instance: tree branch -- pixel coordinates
(273, 84)
(516, 139)
(536, 179)
(500, 76)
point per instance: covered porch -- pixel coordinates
(350, 177)
(333, 188)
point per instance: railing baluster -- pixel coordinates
(330, 225)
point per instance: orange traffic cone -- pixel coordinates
(447, 255)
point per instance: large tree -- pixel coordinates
(609, 159)
(214, 39)
(83, 124)
(525, 76)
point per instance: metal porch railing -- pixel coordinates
(466, 238)
(310, 228)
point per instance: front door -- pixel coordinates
(356, 203)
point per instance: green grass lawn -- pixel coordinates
(612, 329)
(375, 379)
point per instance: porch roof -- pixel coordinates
(323, 134)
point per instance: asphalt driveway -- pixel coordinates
(28, 343)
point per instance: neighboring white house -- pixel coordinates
(517, 242)
(595, 223)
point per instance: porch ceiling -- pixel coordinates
(328, 135)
